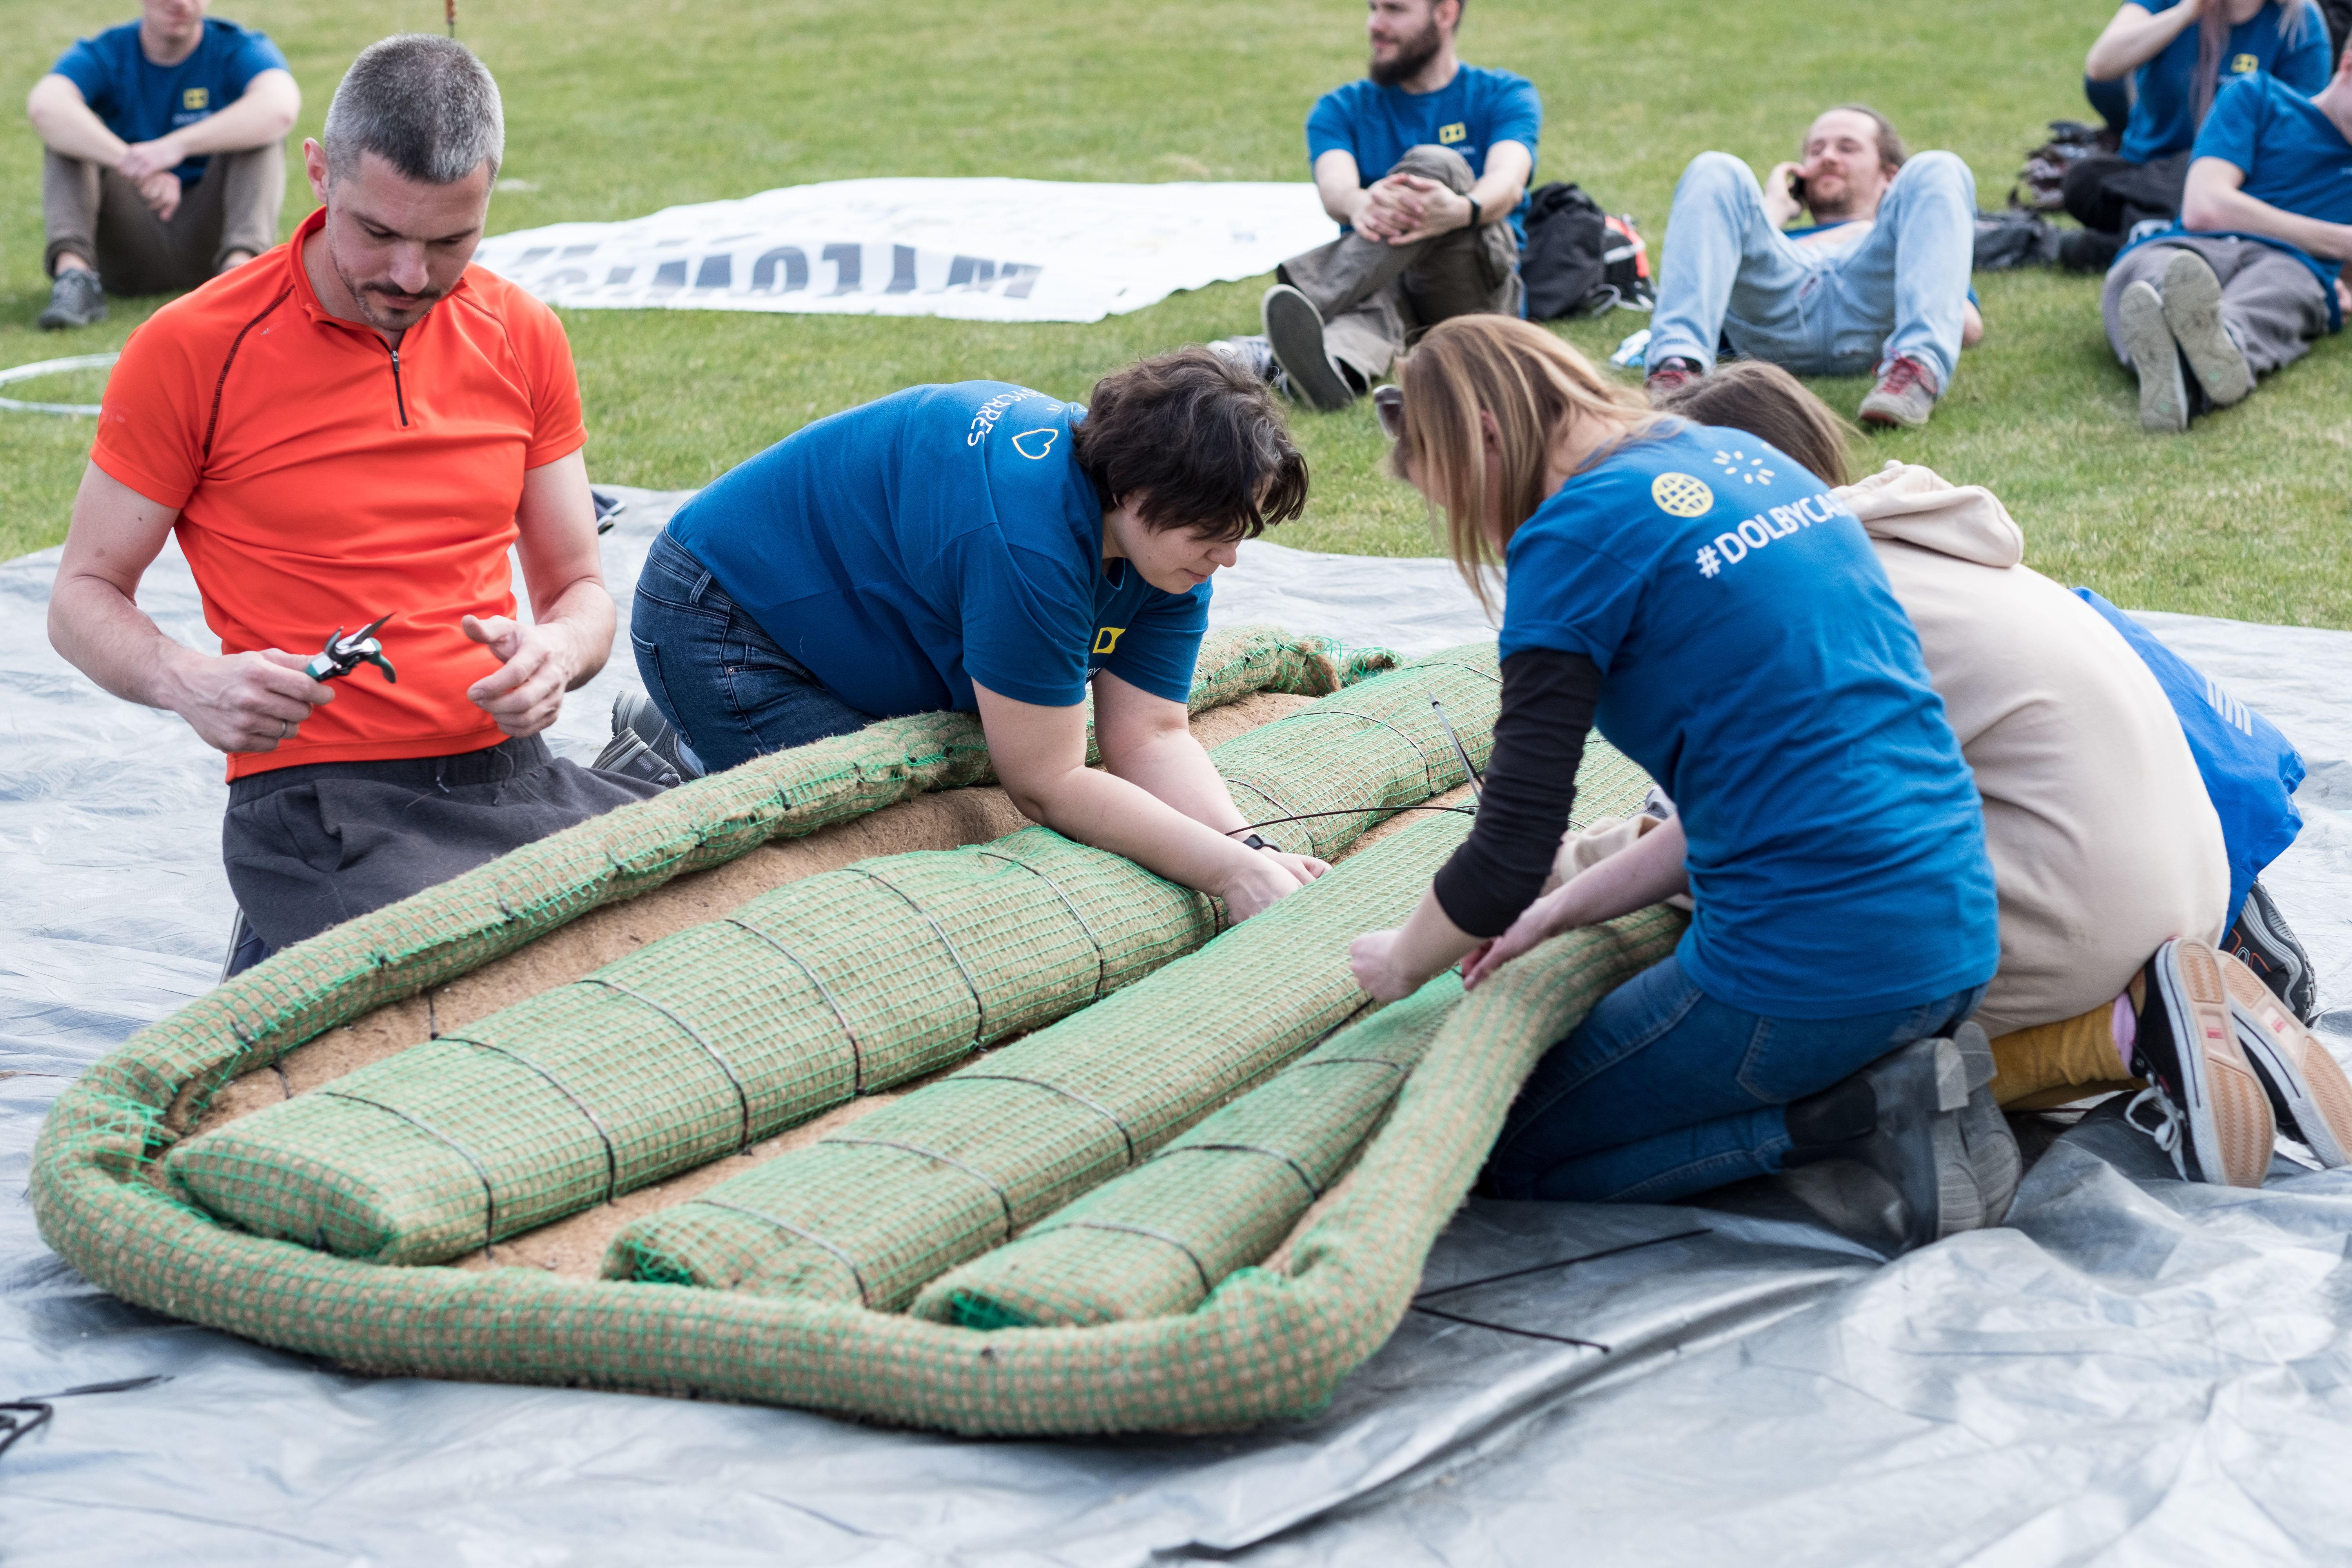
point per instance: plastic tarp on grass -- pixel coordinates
(2136, 1370)
(974, 249)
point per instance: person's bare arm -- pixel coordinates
(1340, 184)
(1432, 209)
(1148, 741)
(2214, 200)
(243, 702)
(571, 631)
(2135, 36)
(65, 121)
(1040, 755)
(1649, 872)
(263, 113)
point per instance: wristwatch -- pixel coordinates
(1477, 213)
(1255, 842)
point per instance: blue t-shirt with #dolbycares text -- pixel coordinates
(2163, 110)
(139, 100)
(1377, 125)
(1756, 663)
(940, 536)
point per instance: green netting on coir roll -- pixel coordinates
(717, 1037)
(1263, 1344)
(1157, 1240)
(872, 1213)
(449, 931)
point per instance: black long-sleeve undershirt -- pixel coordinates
(1529, 790)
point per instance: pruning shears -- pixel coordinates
(343, 654)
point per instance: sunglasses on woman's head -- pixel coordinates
(1388, 406)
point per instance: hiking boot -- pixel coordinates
(1905, 395)
(1294, 330)
(2192, 309)
(2263, 943)
(1909, 1150)
(2310, 1098)
(644, 745)
(2154, 358)
(1672, 372)
(75, 300)
(2204, 1104)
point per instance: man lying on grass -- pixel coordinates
(2251, 271)
(1878, 283)
(982, 546)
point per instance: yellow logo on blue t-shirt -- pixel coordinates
(2243, 64)
(1107, 639)
(1457, 131)
(1680, 495)
(1028, 438)
(195, 100)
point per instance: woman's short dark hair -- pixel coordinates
(1769, 403)
(1197, 441)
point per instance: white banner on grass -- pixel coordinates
(983, 249)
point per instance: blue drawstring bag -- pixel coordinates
(2250, 770)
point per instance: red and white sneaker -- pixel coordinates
(1905, 395)
(2211, 1112)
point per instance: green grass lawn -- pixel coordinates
(615, 111)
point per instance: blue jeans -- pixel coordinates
(730, 690)
(1664, 1091)
(1817, 310)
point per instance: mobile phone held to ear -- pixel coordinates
(1797, 190)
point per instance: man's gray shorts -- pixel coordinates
(309, 846)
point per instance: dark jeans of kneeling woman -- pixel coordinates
(1664, 1091)
(730, 692)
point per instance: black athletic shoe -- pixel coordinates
(75, 300)
(1293, 328)
(644, 745)
(2205, 1105)
(2263, 943)
(1936, 1157)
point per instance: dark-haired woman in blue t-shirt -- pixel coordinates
(1722, 619)
(2177, 55)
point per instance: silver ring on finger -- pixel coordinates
(284, 728)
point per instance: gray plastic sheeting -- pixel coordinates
(2134, 1370)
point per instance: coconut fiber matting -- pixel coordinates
(751, 1034)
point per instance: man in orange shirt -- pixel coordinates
(352, 425)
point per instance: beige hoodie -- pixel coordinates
(2103, 839)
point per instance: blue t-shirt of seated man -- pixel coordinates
(940, 536)
(139, 100)
(2163, 110)
(2294, 158)
(1755, 662)
(1377, 124)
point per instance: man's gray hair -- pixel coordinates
(421, 102)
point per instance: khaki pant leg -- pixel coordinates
(1373, 296)
(2056, 1064)
(68, 208)
(138, 252)
(252, 195)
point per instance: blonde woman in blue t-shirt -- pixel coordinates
(1709, 607)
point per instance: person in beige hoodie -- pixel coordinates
(2104, 841)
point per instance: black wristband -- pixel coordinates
(1477, 213)
(1255, 842)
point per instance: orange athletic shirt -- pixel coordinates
(323, 481)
